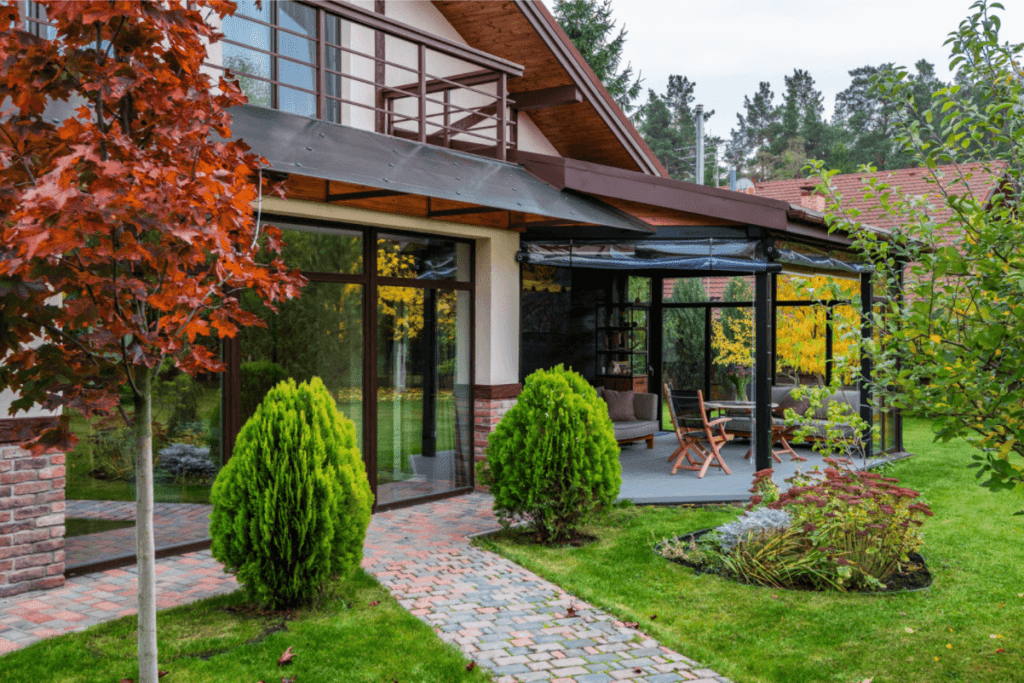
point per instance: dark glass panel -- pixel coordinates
(422, 258)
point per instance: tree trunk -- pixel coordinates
(144, 543)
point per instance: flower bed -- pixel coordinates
(840, 529)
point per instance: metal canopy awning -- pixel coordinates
(708, 254)
(700, 255)
(299, 145)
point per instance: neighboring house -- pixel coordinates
(911, 181)
(452, 170)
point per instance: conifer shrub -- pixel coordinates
(291, 506)
(553, 459)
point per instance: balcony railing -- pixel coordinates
(348, 65)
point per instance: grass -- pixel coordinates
(347, 639)
(755, 634)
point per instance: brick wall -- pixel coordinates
(488, 411)
(31, 520)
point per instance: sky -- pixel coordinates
(728, 46)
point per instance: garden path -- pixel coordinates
(500, 615)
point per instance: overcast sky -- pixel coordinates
(728, 46)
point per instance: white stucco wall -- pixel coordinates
(497, 277)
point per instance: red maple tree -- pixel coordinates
(126, 227)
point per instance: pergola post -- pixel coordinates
(763, 334)
(864, 382)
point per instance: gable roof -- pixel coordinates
(525, 32)
(913, 181)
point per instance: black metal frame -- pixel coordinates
(370, 280)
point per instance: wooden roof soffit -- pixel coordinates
(583, 76)
(421, 206)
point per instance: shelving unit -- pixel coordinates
(621, 345)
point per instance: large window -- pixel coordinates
(386, 322)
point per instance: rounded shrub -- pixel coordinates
(553, 459)
(291, 506)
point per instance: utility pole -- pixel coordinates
(698, 116)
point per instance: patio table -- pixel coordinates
(780, 433)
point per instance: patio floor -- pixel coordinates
(646, 479)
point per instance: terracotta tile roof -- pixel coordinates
(909, 180)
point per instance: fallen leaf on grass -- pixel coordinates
(127, 680)
(161, 674)
(286, 657)
(289, 680)
(470, 666)
(653, 617)
(630, 624)
(374, 603)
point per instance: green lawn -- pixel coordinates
(346, 639)
(973, 547)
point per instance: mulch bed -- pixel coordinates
(914, 576)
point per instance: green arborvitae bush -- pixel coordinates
(291, 507)
(553, 460)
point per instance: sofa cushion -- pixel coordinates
(620, 405)
(634, 429)
(645, 406)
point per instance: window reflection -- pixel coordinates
(422, 258)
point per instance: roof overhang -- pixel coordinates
(386, 166)
(716, 205)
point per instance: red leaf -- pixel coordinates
(286, 657)
(1000, 650)
(470, 666)
(127, 680)
(630, 624)
(653, 617)
(374, 603)
(571, 612)
(161, 674)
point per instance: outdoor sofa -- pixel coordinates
(634, 415)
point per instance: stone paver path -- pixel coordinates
(91, 599)
(500, 615)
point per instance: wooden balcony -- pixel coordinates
(362, 69)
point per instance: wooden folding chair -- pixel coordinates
(689, 441)
(714, 441)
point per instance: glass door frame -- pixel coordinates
(370, 281)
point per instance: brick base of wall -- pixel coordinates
(31, 520)
(488, 412)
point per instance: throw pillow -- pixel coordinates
(620, 405)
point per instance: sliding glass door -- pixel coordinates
(392, 342)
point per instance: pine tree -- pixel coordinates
(590, 27)
(748, 148)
